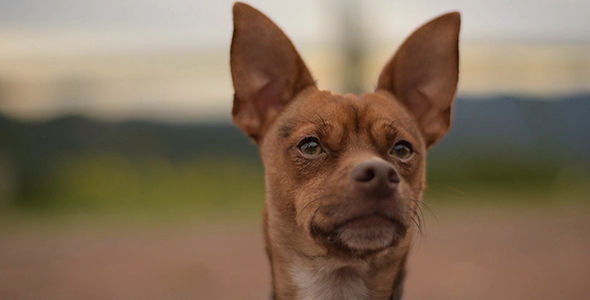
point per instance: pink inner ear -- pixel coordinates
(269, 98)
(418, 103)
(257, 80)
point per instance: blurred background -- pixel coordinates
(121, 175)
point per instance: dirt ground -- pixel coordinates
(463, 255)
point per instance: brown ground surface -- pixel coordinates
(464, 255)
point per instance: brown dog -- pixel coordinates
(344, 173)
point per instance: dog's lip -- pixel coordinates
(371, 219)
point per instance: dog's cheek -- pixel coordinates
(308, 178)
(304, 169)
(413, 174)
(307, 201)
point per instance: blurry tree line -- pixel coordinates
(502, 144)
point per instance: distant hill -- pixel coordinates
(33, 145)
(514, 126)
(501, 131)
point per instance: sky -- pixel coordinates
(209, 22)
(123, 57)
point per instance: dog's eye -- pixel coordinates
(310, 146)
(402, 150)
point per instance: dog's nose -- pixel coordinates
(376, 175)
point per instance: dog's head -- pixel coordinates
(344, 173)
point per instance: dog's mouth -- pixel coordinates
(363, 235)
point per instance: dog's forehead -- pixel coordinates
(348, 113)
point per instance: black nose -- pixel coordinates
(375, 175)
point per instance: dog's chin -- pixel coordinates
(368, 233)
(365, 235)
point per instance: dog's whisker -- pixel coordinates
(447, 188)
(419, 214)
(417, 222)
(430, 210)
(422, 216)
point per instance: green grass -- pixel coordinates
(102, 189)
(110, 183)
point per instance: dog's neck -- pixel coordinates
(296, 275)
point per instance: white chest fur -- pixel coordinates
(332, 281)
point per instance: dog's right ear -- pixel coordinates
(423, 74)
(267, 71)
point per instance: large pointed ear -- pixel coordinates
(423, 74)
(267, 71)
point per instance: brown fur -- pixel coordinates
(331, 232)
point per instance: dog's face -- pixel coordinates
(351, 168)
(344, 173)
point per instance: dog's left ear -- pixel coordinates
(266, 69)
(423, 74)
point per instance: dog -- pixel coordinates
(344, 174)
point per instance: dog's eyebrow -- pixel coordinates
(319, 126)
(286, 130)
(356, 117)
(393, 125)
